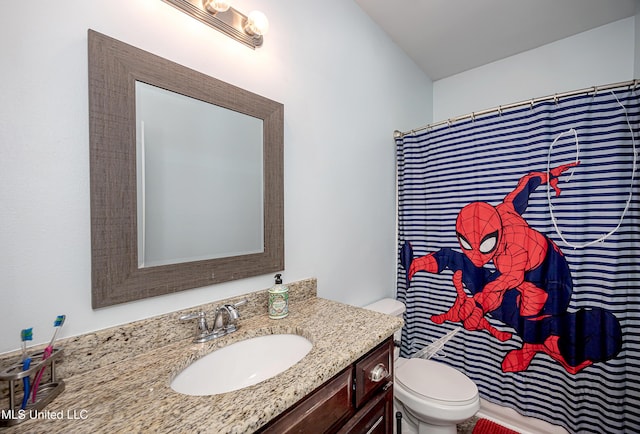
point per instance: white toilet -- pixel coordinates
(432, 397)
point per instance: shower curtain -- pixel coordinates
(523, 229)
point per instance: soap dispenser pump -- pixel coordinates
(278, 299)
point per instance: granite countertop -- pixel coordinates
(135, 395)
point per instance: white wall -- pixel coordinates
(345, 87)
(600, 56)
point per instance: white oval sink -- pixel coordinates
(241, 364)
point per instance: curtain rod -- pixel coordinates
(555, 97)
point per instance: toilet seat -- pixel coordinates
(436, 382)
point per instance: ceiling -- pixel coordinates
(445, 37)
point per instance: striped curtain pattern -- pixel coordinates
(595, 222)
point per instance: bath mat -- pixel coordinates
(486, 426)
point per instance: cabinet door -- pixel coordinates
(375, 417)
(321, 412)
(380, 358)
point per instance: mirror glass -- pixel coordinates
(204, 203)
(199, 179)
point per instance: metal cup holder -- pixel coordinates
(46, 391)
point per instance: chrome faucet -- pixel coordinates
(225, 322)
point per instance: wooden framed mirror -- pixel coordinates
(119, 274)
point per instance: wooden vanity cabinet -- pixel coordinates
(351, 402)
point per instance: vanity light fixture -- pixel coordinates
(248, 30)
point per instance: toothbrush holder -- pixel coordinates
(47, 391)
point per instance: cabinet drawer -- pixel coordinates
(365, 385)
(323, 411)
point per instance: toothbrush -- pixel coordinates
(25, 335)
(47, 353)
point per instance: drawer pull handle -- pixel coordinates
(378, 373)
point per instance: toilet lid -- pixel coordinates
(436, 381)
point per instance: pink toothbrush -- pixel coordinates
(47, 353)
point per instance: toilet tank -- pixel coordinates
(390, 306)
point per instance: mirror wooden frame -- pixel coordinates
(114, 67)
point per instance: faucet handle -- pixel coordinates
(241, 302)
(233, 310)
(233, 313)
(202, 330)
(226, 317)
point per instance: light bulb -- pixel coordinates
(257, 24)
(214, 6)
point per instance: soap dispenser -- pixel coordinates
(278, 299)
